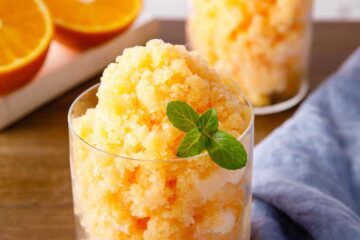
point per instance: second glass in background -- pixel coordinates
(263, 45)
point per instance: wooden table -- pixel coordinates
(35, 187)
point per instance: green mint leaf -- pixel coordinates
(182, 115)
(208, 122)
(226, 151)
(202, 133)
(192, 144)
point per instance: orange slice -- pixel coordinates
(25, 34)
(90, 22)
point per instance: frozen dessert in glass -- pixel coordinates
(127, 181)
(263, 45)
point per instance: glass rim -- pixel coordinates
(72, 131)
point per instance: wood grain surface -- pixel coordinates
(35, 186)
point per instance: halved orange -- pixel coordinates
(90, 22)
(26, 30)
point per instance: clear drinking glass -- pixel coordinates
(263, 45)
(122, 198)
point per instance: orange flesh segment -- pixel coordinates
(25, 31)
(94, 16)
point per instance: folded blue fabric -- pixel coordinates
(306, 180)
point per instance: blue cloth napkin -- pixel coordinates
(306, 182)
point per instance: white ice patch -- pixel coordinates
(211, 185)
(226, 222)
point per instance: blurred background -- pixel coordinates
(327, 10)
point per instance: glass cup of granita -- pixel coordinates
(127, 181)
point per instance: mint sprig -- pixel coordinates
(202, 133)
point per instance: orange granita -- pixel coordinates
(158, 198)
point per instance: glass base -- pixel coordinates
(285, 105)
